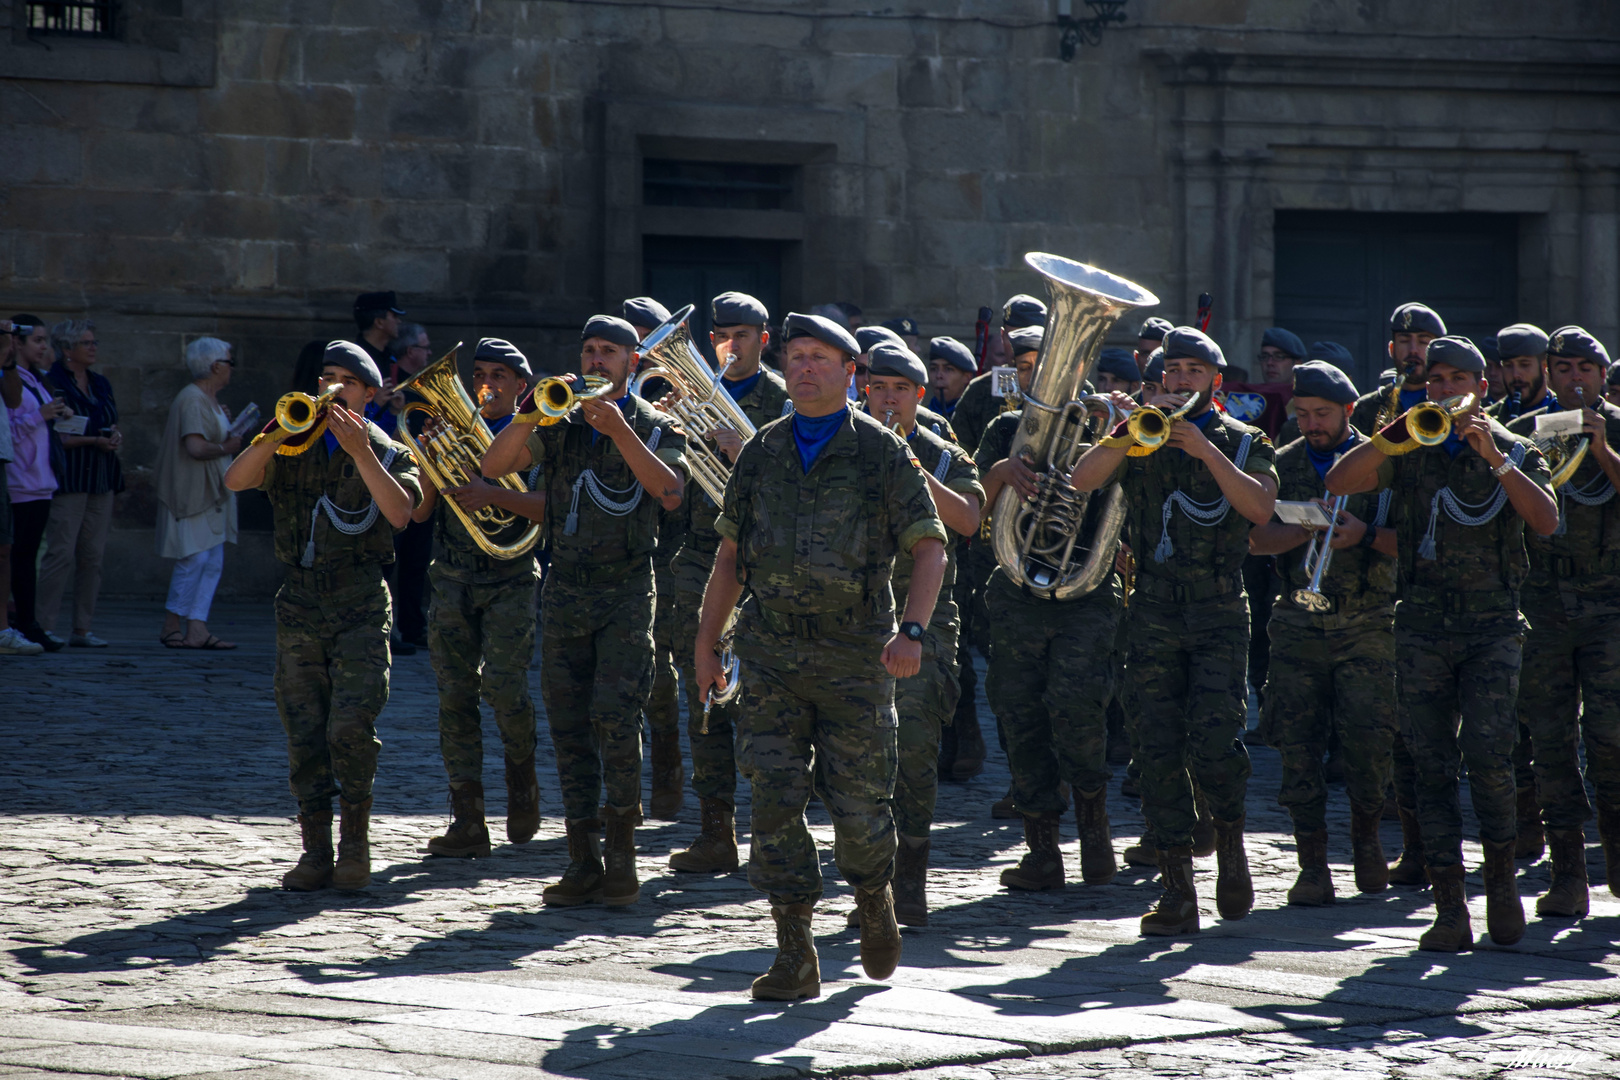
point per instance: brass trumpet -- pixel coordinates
(554, 399)
(1428, 423)
(1148, 427)
(1562, 458)
(304, 418)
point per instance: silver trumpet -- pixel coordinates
(1318, 557)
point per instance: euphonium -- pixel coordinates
(450, 456)
(1061, 544)
(1428, 423)
(555, 398)
(1148, 427)
(303, 417)
(700, 403)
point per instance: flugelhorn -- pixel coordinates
(555, 398)
(1428, 423)
(1148, 427)
(304, 418)
(450, 457)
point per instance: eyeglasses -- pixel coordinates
(92, 343)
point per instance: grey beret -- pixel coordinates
(1416, 319)
(1022, 310)
(1120, 364)
(738, 309)
(1191, 343)
(1155, 329)
(1026, 339)
(904, 326)
(609, 328)
(1154, 372)
(1286, 340)
(502, 352)
(1521, 339)
(952, 352)
(1331, 351)
(1487, 349)
(822, 329)
(354, 359)
(870, 337)
(1318, 378)
(1574, 342)
(645, 312)
(1457, 352)
(888, 359)
(1614, 374)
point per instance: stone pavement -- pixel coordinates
(146, 821)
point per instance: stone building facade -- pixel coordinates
(243, 168)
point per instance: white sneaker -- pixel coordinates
(13, 643)
(87, 641)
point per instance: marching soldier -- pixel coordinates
(740, 336)
(1411, 327)
(979, 404)
(333, 612)
(818, 506)
(607, 468)
(1570, 683)
(1116, 370)
(1332, 654)
(869, 338)
(926, 702)
(1461, 507)
(645, 314)
(1522, 350)
(951, 367)
(1190, 507)
(481, 629)
(1150, 339)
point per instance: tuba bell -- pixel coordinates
(451, 455)
(1061, 544)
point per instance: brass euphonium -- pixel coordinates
(1061, 544)
(700, 403)
(450, 456)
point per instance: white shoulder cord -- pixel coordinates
(943, 466)
(604, 496)
(1470, 514)
(1597, 492)
(367, 516)
(1208, 515)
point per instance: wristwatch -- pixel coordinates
(1503, 469)
(912, 630)
(1370, 537)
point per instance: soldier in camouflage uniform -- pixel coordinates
(1189, 508)
(1570, 684)
(607, 468)
(1332, 664)
(925, 703)
(818, 506)
(336, 507)
(1049, 682)
(1461, 509)
(740, 336)
(481, 627)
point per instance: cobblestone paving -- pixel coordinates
(145, 820)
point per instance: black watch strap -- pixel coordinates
(1370, 537)
(912, 630)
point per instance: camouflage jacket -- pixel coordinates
(974, 410)
(1357, 578)
(324, 516)
(950, 465)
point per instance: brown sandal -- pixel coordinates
(174, 639)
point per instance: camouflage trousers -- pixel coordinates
(1326, 681)
(1458, 695)
(481, 640)
(332, 680)
(815, 712)
(596, 660)
(663, 709)
(1048, 682)
(714, 755)
(1570, 690)
(1189, 666)
(925, 703)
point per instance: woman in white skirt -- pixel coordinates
(196, 513)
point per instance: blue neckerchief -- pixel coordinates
(1549, 401)
(331, 439)
(497, 425)
(943, 407)
(621, 403)
(739, 389)
(1324, 462)
(1454, 443)
(811, 434)
(1202, 420)
(1410, 398)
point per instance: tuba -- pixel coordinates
(701, 404)
(451, 455)
(1061, 545)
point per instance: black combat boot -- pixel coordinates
(1367, 850)
(1569, 896)
(1177, 910)
(1097, 865)
(1451, 931)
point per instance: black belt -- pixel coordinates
(1225, 587)
(815, 626)
(1349, 604)
(1453, 602)
(601, 573)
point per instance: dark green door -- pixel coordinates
(681, 270)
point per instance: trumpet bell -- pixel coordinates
(1313, 602)
(304, 418)
(555, 398)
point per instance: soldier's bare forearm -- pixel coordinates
(430, 500)
(959, 512)
(1095, 467)
(720, 596)
(1356, 471)
(509, 452)
(247, 471)
(1531, 502)
(392, 500)
(1275, 537)
(1255, 497)
(656, 478)
(927, 574)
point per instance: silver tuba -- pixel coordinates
(1061, 544)
(701, 403)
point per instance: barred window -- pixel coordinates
(726, 185)
(72, 18)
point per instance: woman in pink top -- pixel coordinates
(29, 474)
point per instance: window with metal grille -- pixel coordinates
(72, 18)
(716, 184)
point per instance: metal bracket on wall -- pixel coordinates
(1076, 32)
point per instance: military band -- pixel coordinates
(811, 572)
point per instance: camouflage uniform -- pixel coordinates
(1050, 675)
(817, 551)
(481, 640)
(1571, 677)
(1333, 671)
(596, 650)
(333, 616)
(1458, 635)
(1189, 635)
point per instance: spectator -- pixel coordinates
(31, 476)
(11, 642)
(196, 513)
(376, 323)
(81, 512)
(411, 351)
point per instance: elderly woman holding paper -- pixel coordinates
(196, 513)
